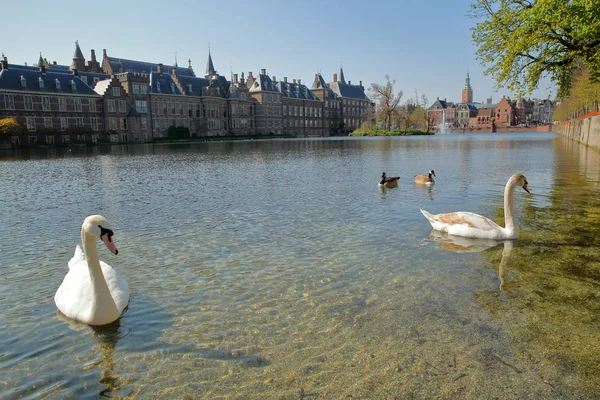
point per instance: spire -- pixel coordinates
(78, 54)
(40, 60)
(342, 79)
(210, 68)
(176, 60)
(467, 81)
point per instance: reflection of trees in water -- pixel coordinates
(550, 284)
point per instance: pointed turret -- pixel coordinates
(210, 68)
(40, 60)
(342, 79)
(78, 59)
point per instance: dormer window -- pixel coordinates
(57, 83)
(73, 85)
(41, 82)
(190, 87)
(172, 87)
(157, 86)
(23, 82)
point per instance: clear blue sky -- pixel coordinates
(422, 45)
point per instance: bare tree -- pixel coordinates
(387, 101)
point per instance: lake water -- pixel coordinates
(279, 270)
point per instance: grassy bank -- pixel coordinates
(380, 132)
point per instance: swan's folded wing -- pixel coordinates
(78, 257)
(468, 219)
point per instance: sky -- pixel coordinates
(424, 46)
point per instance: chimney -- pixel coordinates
(42, 69)
(294, 81)
(349, 82)
(160, 68)
(285, 79)
(235, 78)
(274, 78)
(360, 83)
(335, 77)
(75, 72)
(53, 62)
(4, 63)
(93, 55)
(263, 71)
(299, 81)
(174, 72)
(104, 53)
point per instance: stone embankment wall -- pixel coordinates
(584, 130)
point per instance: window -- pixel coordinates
(111, 106)
(122, 106)
(123, 124)
(172, 87)
(23, 82)
(9, 101)
(65, 138)
(62, 104)
(116, 91)
(30, 122)
(136, 89)
(57, 83)
(112, 124)
(158, 86)
(45, 103)
(79, 121)
(143, 89)
(95, 124)
(94, 138)
(64, 123)
(28, 102)
(141, 106)
(48, 122)
(92, 105)
(144, 123)
(77, 102)
(41, 82)
(73, 85)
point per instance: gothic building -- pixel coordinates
(123, 100)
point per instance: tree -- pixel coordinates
(386, 99)
(10, 127)
(519, 41)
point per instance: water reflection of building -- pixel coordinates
(144, 100)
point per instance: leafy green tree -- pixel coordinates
(10, 127)
(519, 41)
(387, 101)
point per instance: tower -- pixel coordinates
(78, 59)
(210, 68)
(467, 92)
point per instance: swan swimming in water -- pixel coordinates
(388, 181)
(476, 226)
(92, 292)
(425, 179)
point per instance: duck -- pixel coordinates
(388, 181)
(468, 224)
(425, 179)
(92, 292)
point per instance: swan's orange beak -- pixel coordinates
(110, 244)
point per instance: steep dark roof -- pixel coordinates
(263, 83)
(163, 84)
(198, 85)
(295, 91)
(319, 82)
(78, 54)
(210, 68)
(346, 90)
(143, 67)
(10, 79)
(342, 79)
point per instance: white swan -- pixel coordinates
(92, 292)
(476, 226)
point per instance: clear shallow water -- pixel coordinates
(279, 270)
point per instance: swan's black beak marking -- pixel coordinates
(525, 187)
(104, 231)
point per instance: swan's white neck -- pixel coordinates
(509, 216)
(103, 306)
